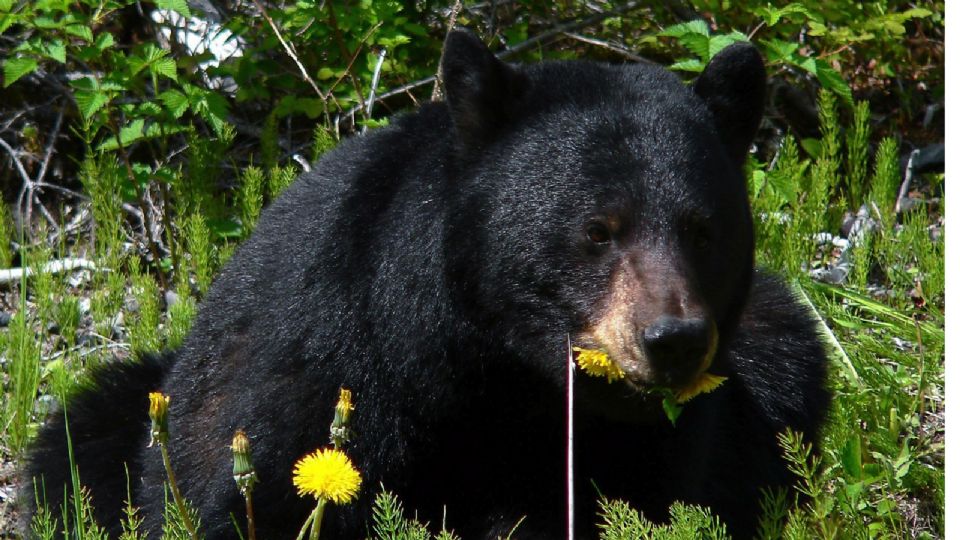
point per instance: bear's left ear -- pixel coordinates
(733, 85)
(482, 92)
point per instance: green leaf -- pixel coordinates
(15, 68)
(6, 21)
(166, 67)
(696, 26)
(81, 31)
(690, 64)
(722, 41)
(225, 228)
(90, 101)
(833, 81)
(139, 130)
(180, 6)
(697, 44)
(778, 50)
(811, 146)
(672, 408)
(104, 41)
(57, 51)
(6, 5)
(175, 101)
(851, 458)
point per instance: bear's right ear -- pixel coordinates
(482, 92)
(733, 85)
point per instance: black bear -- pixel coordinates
(436, 267)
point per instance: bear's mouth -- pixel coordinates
(627, 361)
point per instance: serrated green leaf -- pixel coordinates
(139, 130)
(104, 41)
(916, 13)
(166, 67)
(720, 42)
(180, 6)
(89, 102)
(85, 83)
(128, 134)
(6, 21)
(672, 408)
(833, 81)
(696, 26)
(175, 101)
(81, 31)
(46, 23)
(691, 64)
(778, 50)
(56, 51)
(148, 108)
(817, 28)
(697, 44)
(14, 68)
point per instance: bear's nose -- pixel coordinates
(676, 348)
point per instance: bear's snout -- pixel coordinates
(678, 349)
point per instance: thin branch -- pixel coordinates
(622, 51)
(381, 54)
(338, 38)
(511, 51)
(16, 160)
(289, 51)
(570, 26)
(438, 78)
(353, 59)
(55, 266)
(50, 143)
(907, 180)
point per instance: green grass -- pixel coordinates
(880, 473)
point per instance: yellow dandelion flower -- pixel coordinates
(705, 383)
(597, 363)
(327, 474)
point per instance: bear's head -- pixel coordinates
(606, 203)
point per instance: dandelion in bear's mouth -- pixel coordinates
(597, 363)
(704, 384)
(327, 474)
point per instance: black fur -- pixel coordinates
(435, 267)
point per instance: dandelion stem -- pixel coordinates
(570, 496)
(313, 522)
(317, 519)
(181, 507)
(251, 529)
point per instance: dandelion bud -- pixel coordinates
(243, 472)
(339, 430)
(159, 405)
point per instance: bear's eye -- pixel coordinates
(598, 233)
(700, 236)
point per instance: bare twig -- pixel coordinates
(55, 266)
(907, 180)
(571, 26)
(338, 38)
(381, 54)
(353, 59)
(50, 144)
(438, 78)
(622, 51)
(289, 51)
